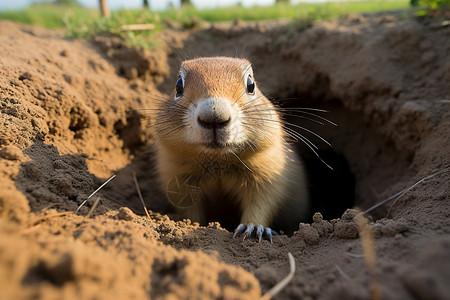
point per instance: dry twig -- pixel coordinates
(137, 27)
(282, 284)
(140, 195)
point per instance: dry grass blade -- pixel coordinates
(282, 284)
(45, 218)
(368, 245)
(32, 228)
(343, 274)
(354, 255)
(97, 201)
(140, 195)
(404, 191)
(99, 188)
(50, 206)
(37, 222)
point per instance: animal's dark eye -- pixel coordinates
(179, 87)
(250, 85)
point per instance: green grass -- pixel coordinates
(82, 25)
(82, 22)
(316, 11)
(44, 14)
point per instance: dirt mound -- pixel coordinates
(73, 112)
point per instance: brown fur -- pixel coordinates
(217, 186)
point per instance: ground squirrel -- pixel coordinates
(222, 153)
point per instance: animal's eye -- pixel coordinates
(180, 87)
(250, 85)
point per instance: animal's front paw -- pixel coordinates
(251, 230)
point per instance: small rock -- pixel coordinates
(11, 153)
(26, 76)
(125, 214)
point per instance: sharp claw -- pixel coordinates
(268, 232)
(259, 232)
(239, 230)
(249, 231)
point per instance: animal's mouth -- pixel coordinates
(216, 145)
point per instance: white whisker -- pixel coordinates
(235, 155)
(295, 125)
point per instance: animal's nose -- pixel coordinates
(214, 113)
(214, 123)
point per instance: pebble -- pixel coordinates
(11, 153)
(125, 214)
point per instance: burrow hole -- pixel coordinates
(364, 163)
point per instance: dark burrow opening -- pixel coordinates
(331, 182)
(365, 163)
(331, 190)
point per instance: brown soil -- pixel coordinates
(71, 117)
